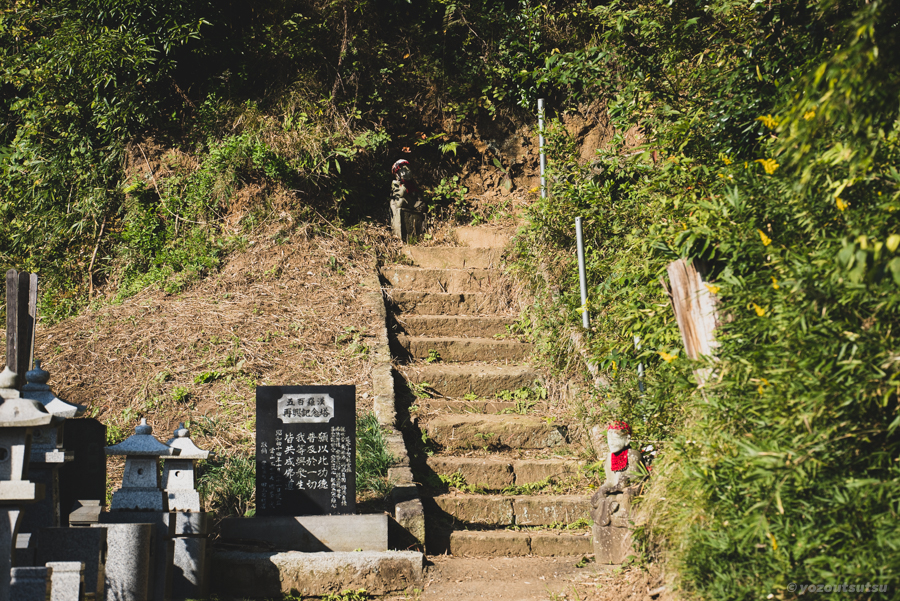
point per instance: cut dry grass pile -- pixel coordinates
(289, 310)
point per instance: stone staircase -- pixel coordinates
(497, 472)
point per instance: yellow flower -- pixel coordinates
(713, 289)
(668, 358)
(762, 386)
(726, 160)
(893, 241)
(769, 121)
(809, 115)
(759, 310)
(841, 205)
(774, 283)
(765, 239)
(769, 165)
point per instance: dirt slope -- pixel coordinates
(286, 310)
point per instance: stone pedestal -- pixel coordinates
(190, 536)
(128, 567)
(66, 581)
(162, 548)
(407, 222)
(612, 543)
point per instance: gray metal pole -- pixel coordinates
(541, 146)
(637, 347)
(582, 275)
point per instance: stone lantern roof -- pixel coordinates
(142, 442)
(187, 448)
(38, 390)
(16, 412)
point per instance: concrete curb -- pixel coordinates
(408, 511)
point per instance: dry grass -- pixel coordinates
(287, 313)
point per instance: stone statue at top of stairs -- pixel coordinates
(407, 216)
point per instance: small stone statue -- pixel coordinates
(621, 466)
(404, 191)
(407, 217)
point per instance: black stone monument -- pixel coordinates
(305, 450)
(84, 478)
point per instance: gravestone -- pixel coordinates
(305, 450)
(83, 478)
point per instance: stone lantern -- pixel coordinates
(47, 454)
(178, 474)
(140, 483)
(17, 418)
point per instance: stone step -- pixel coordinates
(454, 257)
(483, 380)
(454, 325)
(441, 303)
(441, 280)
(460, 349)
(515, 510)
(473, 431)
(267, 574)
(482, 237)
(497, 473)
(517, 543)
(479, 406)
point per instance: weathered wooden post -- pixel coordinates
(21, 315)
(695, 310)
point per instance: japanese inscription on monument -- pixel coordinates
(305, 450)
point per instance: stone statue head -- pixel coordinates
(401, 170)
(618, 436)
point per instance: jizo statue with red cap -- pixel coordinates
(407, 218)
(622, 467)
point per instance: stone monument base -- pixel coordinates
(406, 223)
(611, 545)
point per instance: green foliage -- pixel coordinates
(449, 196)
(229, 484)
(372, 456)
(773, 169)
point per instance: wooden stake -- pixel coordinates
(12, 297)
(25, 329)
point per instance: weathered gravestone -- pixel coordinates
(83, 478)
(305, 450)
